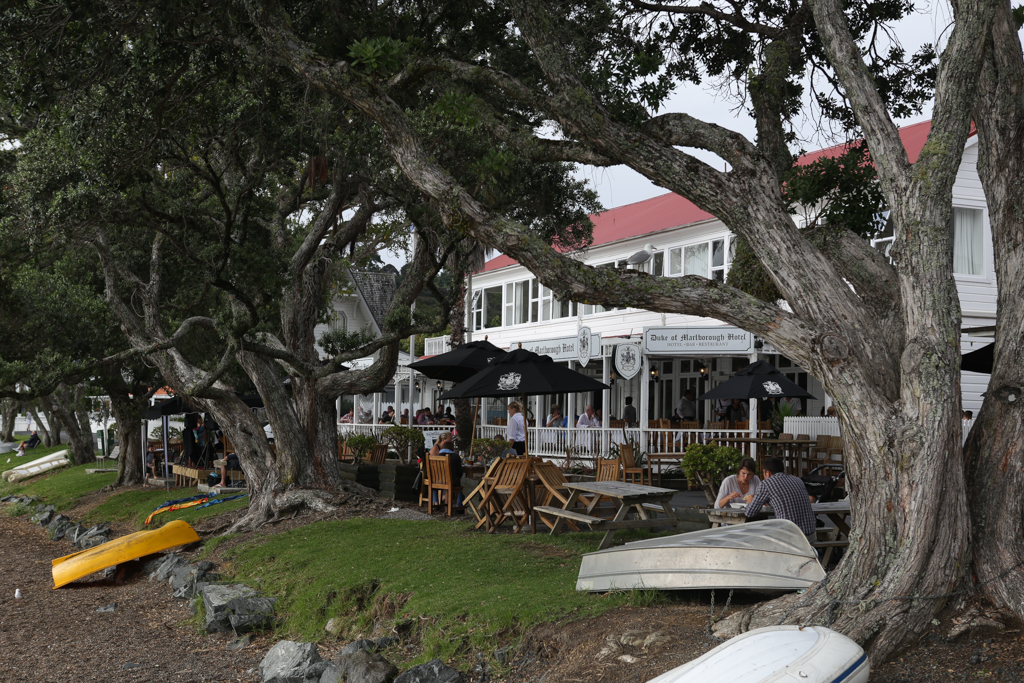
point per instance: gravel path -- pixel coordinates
(57, 635)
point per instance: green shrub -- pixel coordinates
(361, 445)
(489, 448)
(158, 433)
(401, 438)
(711, 461)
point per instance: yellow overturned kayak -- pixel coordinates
(131, 547)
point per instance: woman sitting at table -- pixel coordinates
(743, 484)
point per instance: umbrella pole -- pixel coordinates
(472, 435)
(166, 428)
(526, 430)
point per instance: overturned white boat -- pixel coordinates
(772, 554)
(814, 654)
(36, 467)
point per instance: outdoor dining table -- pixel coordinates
(836, 513)
(644, 502)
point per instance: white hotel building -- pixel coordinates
(677, 352)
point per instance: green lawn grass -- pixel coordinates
(61, 488)
(460, 591)
(132, 507)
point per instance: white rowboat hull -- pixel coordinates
(768, 555)
(778, 654)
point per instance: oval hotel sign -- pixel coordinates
(696, 340)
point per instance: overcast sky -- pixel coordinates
(620, 185)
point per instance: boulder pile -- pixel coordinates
(358, 662)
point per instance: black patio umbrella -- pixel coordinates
(523, 373)
(459, 364)
(979, 360)
(758, 380)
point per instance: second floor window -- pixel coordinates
(968, 250)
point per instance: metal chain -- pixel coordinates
(712, 619)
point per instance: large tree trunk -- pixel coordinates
(8, 412)
(128, 414)
(64, 404)
(41, 427)
(51, 420)
(995, 447)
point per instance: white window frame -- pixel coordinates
(983, 275)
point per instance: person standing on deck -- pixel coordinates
(515, 432)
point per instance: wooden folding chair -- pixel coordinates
(506, 496)
(607, 470)
(630, 469)
(344, 452)
(556, 491)
(486, 482)
(439, 470)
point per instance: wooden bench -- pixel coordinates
(188, 476)
(828, 546)
(575, 516)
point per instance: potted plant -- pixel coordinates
(709, 464)
(362, 473)
(397, 477)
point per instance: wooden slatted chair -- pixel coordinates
(630, 470)
(741, 424)
(764, 425)
(818, 453)
(716, 425)
(505, 497)
(378, 454)
(607, 470)
(480, 490)
(556, 491)
(344, 452)
(440, 475)
(617, 424)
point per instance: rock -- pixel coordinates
(110, 573)
(49, 508)
(434, 671)
(288, 661)
(239, 643)
(39, 508)
(333, 626)
(131, 665)
(150, 563)
(60, 530)
(6, 499)
(57, 521)
(249, 614)
(108, 608)
(204, 566)
(502, 655)
(386, 642)
(86, 542)
(357, 645)
(193, 604)
(170, 563)
(215, 601)
(360, 666)
(44, 518)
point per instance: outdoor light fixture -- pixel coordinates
(611, 376)
(758, 343)
(654, 375)
(440, 385)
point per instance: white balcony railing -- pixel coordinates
(434, 346)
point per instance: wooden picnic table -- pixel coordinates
(643, 501)
(835, 512)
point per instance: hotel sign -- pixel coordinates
(566, 348)
(670, 341)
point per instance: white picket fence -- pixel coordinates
(816, 426)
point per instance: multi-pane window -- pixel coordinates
(968, 252)
(551, 308)
(487, 308)
(706, 259)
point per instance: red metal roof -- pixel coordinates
(672, 211)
